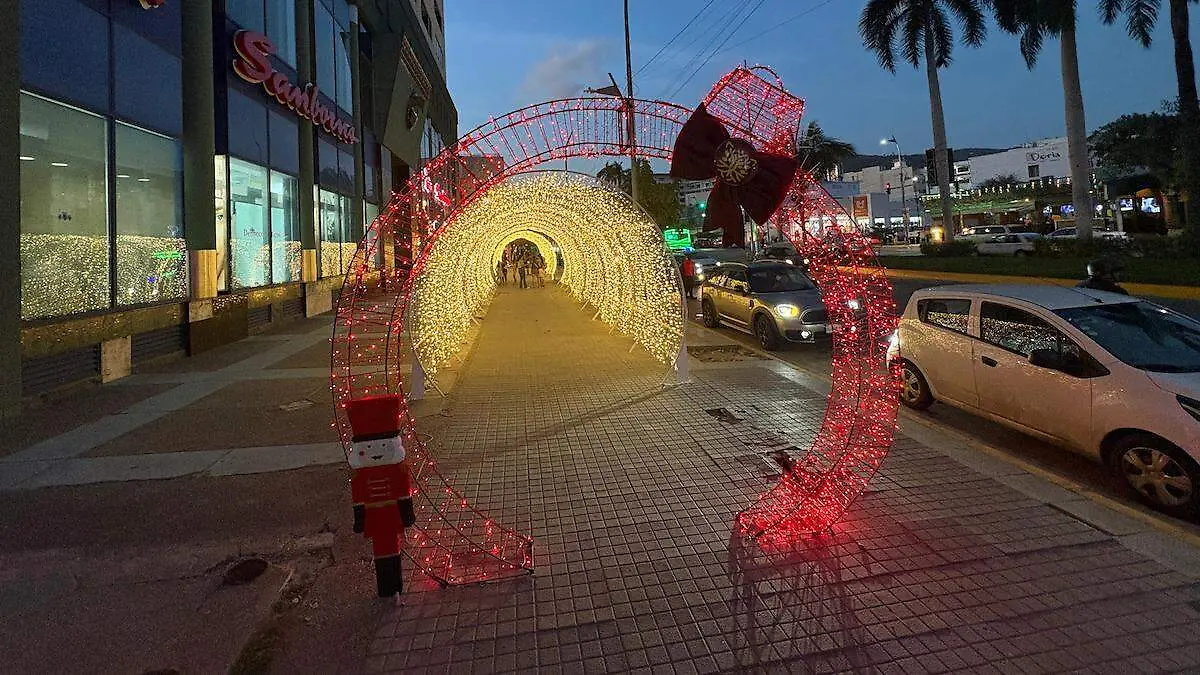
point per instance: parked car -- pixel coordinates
(782, 252)
(1017, 243)
(775, 302)
(705, 265)
(1110, 376)
(983, 233)
(1071, 233)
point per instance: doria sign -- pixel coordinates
(253, 64)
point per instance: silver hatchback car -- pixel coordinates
(774, 301)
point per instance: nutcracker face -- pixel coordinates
(378, 452)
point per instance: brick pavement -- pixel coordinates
(947, 563)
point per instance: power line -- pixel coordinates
(708, 34)
(674, 37)
(805, 13)
(718, 48)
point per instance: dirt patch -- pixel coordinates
(720, 353)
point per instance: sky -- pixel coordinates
(502, 55)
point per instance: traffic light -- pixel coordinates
(888, 187)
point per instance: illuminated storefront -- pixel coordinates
(314, 111)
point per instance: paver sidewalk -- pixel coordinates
(950, 562)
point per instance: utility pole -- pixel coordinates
(629, 124)
(903, 198)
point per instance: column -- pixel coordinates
(199, 143)
(305, 70)
(356, 218)
(10, 218)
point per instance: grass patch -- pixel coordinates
(1171, 271)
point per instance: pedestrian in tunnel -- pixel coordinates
(501, 272)
(522, 269)
(539, 267)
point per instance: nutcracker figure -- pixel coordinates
(380, 484)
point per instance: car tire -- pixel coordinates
(914, 389)
(1019, 253)
(1157, 473)
(764, 330)
(711, 320)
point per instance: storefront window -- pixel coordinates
(249, 247)
(329, 222)
(371, 235)
(67, 59)
(285, 229)
(151, 250)
(246, 13)
(64, 210)
(341, 47)
(281, 28)
(325, 30)
(349, 240)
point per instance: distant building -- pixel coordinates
(1041, 160)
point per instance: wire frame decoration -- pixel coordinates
(455, 541)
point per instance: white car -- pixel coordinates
(1017, 243)
(982, 233)
(1110, 376)
(1071, 233)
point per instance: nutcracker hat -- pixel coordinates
(374, 416)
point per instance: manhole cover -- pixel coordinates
(245, 571)
(722, 353)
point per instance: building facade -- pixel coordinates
(190, 170)
(1044, 160)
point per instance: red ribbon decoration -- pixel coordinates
(745, 177)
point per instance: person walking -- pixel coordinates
(687, 270)
(522, 269)
(501, 272)
(539, 267)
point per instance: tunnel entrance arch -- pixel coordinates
(456, 542)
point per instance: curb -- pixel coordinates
(1151, 519)
(1152, 290)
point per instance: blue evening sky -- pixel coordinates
(505, 54)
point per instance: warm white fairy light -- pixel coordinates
(613, 255)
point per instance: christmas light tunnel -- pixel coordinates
(614, 260)
(455, 541)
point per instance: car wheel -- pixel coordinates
(711, 320)
(914, 390)
(1019, 253)
(764, 330)
(1158, 473)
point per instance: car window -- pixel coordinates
(1019, 331)
(969, 231)
(1141, 334)
(736, 278)
(717, 280)
(951, 313)
(778, 279)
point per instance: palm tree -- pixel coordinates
(921, 31)
(1140, 17)
(821, 155)
(1033, 21)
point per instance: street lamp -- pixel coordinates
(903, 197)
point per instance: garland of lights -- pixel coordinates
(455, 542)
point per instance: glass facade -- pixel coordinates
(264, 226)
(151, 251)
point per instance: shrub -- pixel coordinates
(949, 249)
(1074, 248)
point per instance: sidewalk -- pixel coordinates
(951, 561)
(122, 507)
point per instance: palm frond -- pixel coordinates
(970, 15)
(1140, 17)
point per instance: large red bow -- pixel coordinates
(745, 177)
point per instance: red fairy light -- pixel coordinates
(454, 542)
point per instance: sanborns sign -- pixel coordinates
(253, 64)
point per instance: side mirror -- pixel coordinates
(1046, 358)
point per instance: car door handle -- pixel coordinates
(988, 361)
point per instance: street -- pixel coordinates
(1072, 467)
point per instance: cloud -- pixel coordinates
(565, 71)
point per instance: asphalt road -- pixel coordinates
(815, 358)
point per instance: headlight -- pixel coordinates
(1191, 405)
(787, 311)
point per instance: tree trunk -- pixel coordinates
(1189, 116)
(939, 140)
(1077, 146)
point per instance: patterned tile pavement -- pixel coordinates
(630, 488)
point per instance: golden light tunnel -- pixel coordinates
(614, 259)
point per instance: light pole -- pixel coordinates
(633, 176)
(903, 198)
